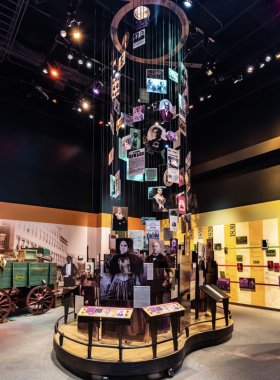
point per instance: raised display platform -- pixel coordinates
(137, 363)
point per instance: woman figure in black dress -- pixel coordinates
(119, 221)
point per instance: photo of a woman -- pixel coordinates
(120, 216)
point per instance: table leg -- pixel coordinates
(225, 304)
(154, 324)
(213, 311)
(120, 343)
(90, 328)
(174, 325)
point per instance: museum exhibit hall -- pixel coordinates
(139, 189)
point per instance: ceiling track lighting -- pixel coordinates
(250, 68)
(63, 33)
(45, 68)
(277, 53)
(75, 29)
(261, 64)
(208, 95)
(205, 41)
(91, 116)
(80, 60)
(193, 30)
(202, 98)
(191, 106)
(268, 57)
(88, 63)
(39, 89)
(70, 54)
(188, 3)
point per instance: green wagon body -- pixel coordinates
(18, 275)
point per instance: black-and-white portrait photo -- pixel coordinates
(120, 218)
(165, 179)
(117, 106)
(156, 106)
(126, 143)
(160, 200)
(135, 139)
(171, 136)
(139, 38)
(157, 138)
(158, 86)
(125, 41)
(166, 110)
(154, 73)
(138, 113)
(182, 127)
(182, 108)
(183, 75)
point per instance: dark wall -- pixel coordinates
(45, 161)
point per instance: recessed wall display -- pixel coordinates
(166, 110)
(241, 239)
(117, 106)
(136, 162)
(140, 24)
(125, 41)
(122, 61)
(115, 87)
(158, 86)
(173, 165)
(127, 119)
(120, 218)
(111, 156)
(165, 180)
(182, 108)
(157, 138)
(173, 75)
(151, 174)
(141, 12)
(135, 139)
(138, 113)
(181, 177)
(150, 190)
(126, 143)
(138, 38)
(182, 127)
(224, 284)
(154, 73)
(160, 200)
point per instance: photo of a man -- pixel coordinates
(135, 139)
(166, 110)
(157, 138)
(138, 113)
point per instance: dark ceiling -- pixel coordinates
(242, 30)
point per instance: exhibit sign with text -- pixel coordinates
(153, 229)
(138, 38)
(136, 162)
(173, 165)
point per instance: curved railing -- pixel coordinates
(120, 347)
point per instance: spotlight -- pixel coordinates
(70, 54)
(45, 68)
(89, 64)
(96, 91)
(80, 60)
(188, 3)
(201, 98)
(100, 122)
(76, 31)
(208, 95)
(91, 116)
(166, 146)
(237, 78)
(268, 57)
(250, 68)
(63, 33)
(261, 64)
(277, 54)
(123, 125)
(85, 105)
(79, 109)
(156, 123)
(117, 74)
(209, 72)
(54, 101)
(191, 106)
(54, 72)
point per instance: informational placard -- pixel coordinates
(147, 218)
(136, 159)
(138, 38)
(173, 75)
(138, 238)
(141, 296)
(162, 309)
(107, 312)
(79, 303)
(167, 234)
(138, 177)
(150, 271)
(151, 174)
(115, 86)
(173, 223)
(119, 123)
(153, 229)
(172, 165)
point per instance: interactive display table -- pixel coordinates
(91, 315)
(152, 314)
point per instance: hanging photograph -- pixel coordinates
(224, 284)
(182, 194)
(175, 112)
(136, 159)
(135, 139)
(151, 191)
(138, 38)
(137, 177)
(173, 221)
(127, 119)
(173, 165)
(185, 95)
(167, 234)
(139, 24)
(182, 108)
(126, 143)
(182, 205)
(188, 179)
(112, 124)
(138, 113)
(156, 247)
(117, 106)
(112, 241)
(160, 200)
(119, 123)
(112, 186)
(173, 75)
(138, 238)
(115, 65)
(125, 41)
(186, 223)
(183, 75)
(177, 142)
(115, 87)
(173, 246)
(111, 156)
(154, 73)
(122, 61)
(117, 184)
(158, 86)
(152, 229)
(156, 106)
(120, 218)
(181, 177)
(122, 155)
(157, 138)
(151, 174)
(165, 179)
(174, 212)
(188, 161)
(171, 136)
(147, 218)
(166, 110)
(182, 127)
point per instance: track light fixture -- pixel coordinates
(75, 29)
(201, 98)
(208, 95)
(250, 68)
(79, 109)
(85, 104)
(63, 33)
(117, 74)
(91, 116)
(237, 78)
(70, 54)
(268, 57)
(88, 64)
(260, 63)
(54, 72)
(191, 106)
(45, 68)
(97, 87)
(277, 53)
(80, 60)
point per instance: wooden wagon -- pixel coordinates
(26, 284)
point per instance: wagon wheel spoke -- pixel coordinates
(39, 300)
(5, 305)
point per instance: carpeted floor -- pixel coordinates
(253, 353)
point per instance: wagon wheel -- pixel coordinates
(5, 305)
(39, 300)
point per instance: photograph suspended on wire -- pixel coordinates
(166, 110)
(151, 191)
(112, 186)
(181, 177)
(160, 200)
(122, 61)
(139, 39)
(120, 218)
(182, 108)
(157, 86)
(188, 161)
(157, 138)
(126, 143)
(188, 179)
(112, 123)
(138, 113)
(127, 119)
(173, 165)
(111, 156)
(177, 142)
(115, 87)
(142, 23)
(183, 75)
(154, 74)
(135, 139)
(173, 75)
(185, 95)
(171, 136)
(119, 123)
(156, 106)
(117, 106)
(165, 179)
(125, 41)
